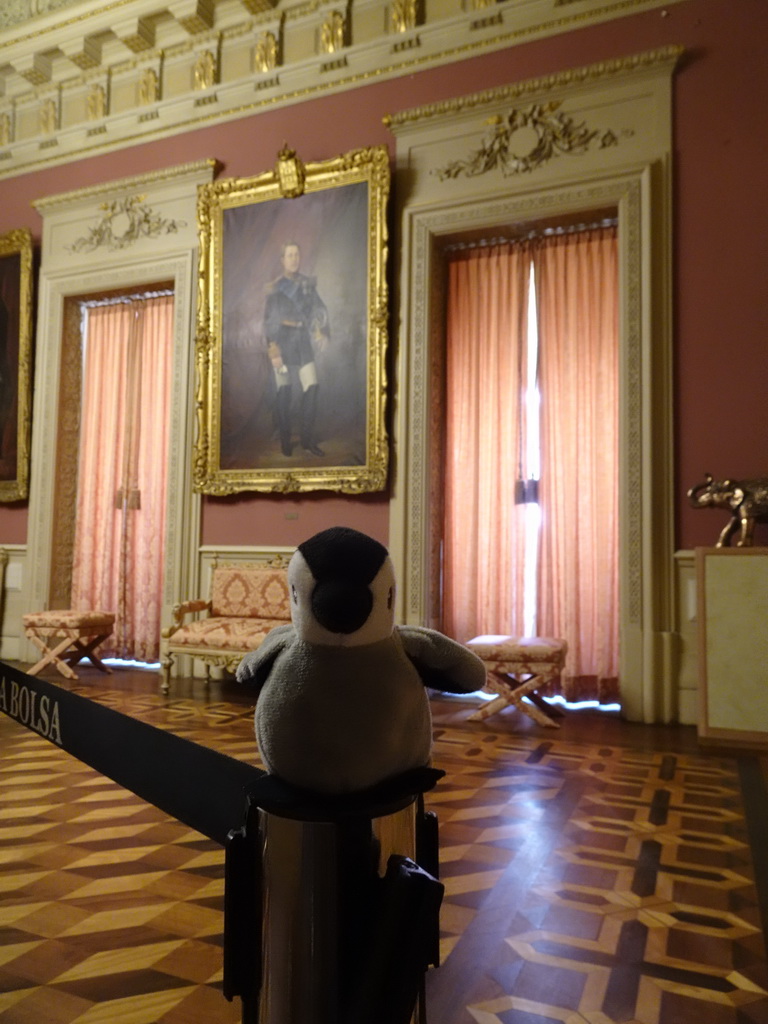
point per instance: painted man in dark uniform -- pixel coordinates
(295, 325)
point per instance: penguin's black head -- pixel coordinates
(343, 563)
(342, 586)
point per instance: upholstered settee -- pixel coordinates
(247, 601)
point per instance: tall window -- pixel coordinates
(530, 525)
(122, 469)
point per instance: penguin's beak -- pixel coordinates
(341, 606)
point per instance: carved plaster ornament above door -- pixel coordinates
(124, 222)
(524, 140)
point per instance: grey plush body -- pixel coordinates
(340, 719)
(339, 713)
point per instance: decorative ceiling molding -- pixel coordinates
(18, 12)
(198, 169)
(78, 79)
(637, 63)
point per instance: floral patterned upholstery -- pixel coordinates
(229, 633)
(69, 619)
(517, 650)
(246, 602)
(250, 592)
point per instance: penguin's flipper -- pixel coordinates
(442, 663)
(256, 666)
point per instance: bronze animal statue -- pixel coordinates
(747, 500)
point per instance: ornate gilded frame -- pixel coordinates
(15, 363)
(335, 213)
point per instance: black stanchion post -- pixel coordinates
(350, 921)
(242, 915)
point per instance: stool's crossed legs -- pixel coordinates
(512, 691)
(80, 649)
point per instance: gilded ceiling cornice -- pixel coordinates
(79, 17)
(146, 63)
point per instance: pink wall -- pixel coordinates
(290, 520)
(720, 294)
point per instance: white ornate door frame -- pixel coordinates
(632, 98)
(123, 234)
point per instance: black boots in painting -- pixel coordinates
(308, 413)
(283, 409)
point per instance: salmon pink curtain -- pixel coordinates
(482, 531)
(121, 502)
(577, 293)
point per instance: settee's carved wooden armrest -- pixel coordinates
(180, 611)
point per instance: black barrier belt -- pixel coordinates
(200, 787)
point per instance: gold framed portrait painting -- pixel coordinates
(15, 363)
(292, 328)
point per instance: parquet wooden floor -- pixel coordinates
(604, 874)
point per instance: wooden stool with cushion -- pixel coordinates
(76, 635)
(519, 666)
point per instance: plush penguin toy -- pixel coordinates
(342, 704)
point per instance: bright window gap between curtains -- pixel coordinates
(532, 463)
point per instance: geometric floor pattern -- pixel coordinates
(590, 878)
(110, 912)
(593, 884)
